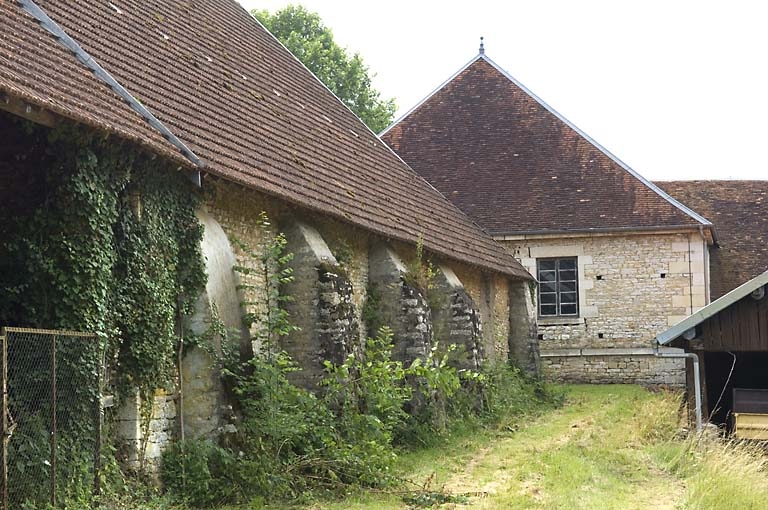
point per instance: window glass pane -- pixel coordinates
(547, 276)
(547, 265)
(548, 298)
(548, 309)
(548, 287)
(558, 286)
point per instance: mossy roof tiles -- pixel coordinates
(242, 103)
(516, 166)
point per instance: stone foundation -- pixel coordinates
(623, 366)
(140, 451)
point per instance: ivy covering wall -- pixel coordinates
(96, 235)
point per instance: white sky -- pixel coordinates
(676, 89)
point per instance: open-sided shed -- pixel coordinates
(730, 336)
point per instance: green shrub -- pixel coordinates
(199, 473)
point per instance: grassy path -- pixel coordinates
(587, 455)
(590, 454)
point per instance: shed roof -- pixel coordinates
(516, 166)
(711, 309)
(739, 210)
(242, 103)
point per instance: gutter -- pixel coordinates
(85, 59)
(521, 234)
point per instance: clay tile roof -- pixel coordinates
(242, 103)
(739, 211)
(515, 166)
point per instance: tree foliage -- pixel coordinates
(305, 35)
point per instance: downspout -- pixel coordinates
(690, 275)
(705, 268)
(696, 377)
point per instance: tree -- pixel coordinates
(305, 35)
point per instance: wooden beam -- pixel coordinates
(27, 110)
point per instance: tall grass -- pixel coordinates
(718, 473)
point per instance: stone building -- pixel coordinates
(617, 259)
(211, 91)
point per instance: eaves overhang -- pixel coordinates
(707, 230)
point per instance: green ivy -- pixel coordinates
(109, 244)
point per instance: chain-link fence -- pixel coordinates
(51, 418)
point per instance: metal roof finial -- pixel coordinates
(482, 47)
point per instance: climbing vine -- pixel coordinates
(266, 315)
(109, 243)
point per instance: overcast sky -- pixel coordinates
(675, 89)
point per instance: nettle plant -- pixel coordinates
(262, 278)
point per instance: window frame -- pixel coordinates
(558, 303)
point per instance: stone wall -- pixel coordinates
(456, 320)
(321, 306)
(141, 443)
(401, 306)
(335, 266)
(631, 287)
(630, 366)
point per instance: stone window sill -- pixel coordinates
(560, 321)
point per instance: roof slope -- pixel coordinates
(516, 166)
(229, 90)
(739, 210)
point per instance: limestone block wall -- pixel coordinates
(523, 339)
(336, 266)
(508, 314)
(142, 443)
(627, 369)
(630, 288)
(401, 306)
(457, 319)
(321, 306)
(350, 247)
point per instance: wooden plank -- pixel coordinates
(727, 330)
(762, 321)
(710, 333)
(754, 329)
(27, 110)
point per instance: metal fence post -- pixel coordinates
(5, 433)
(98, 425)
(53, 420)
